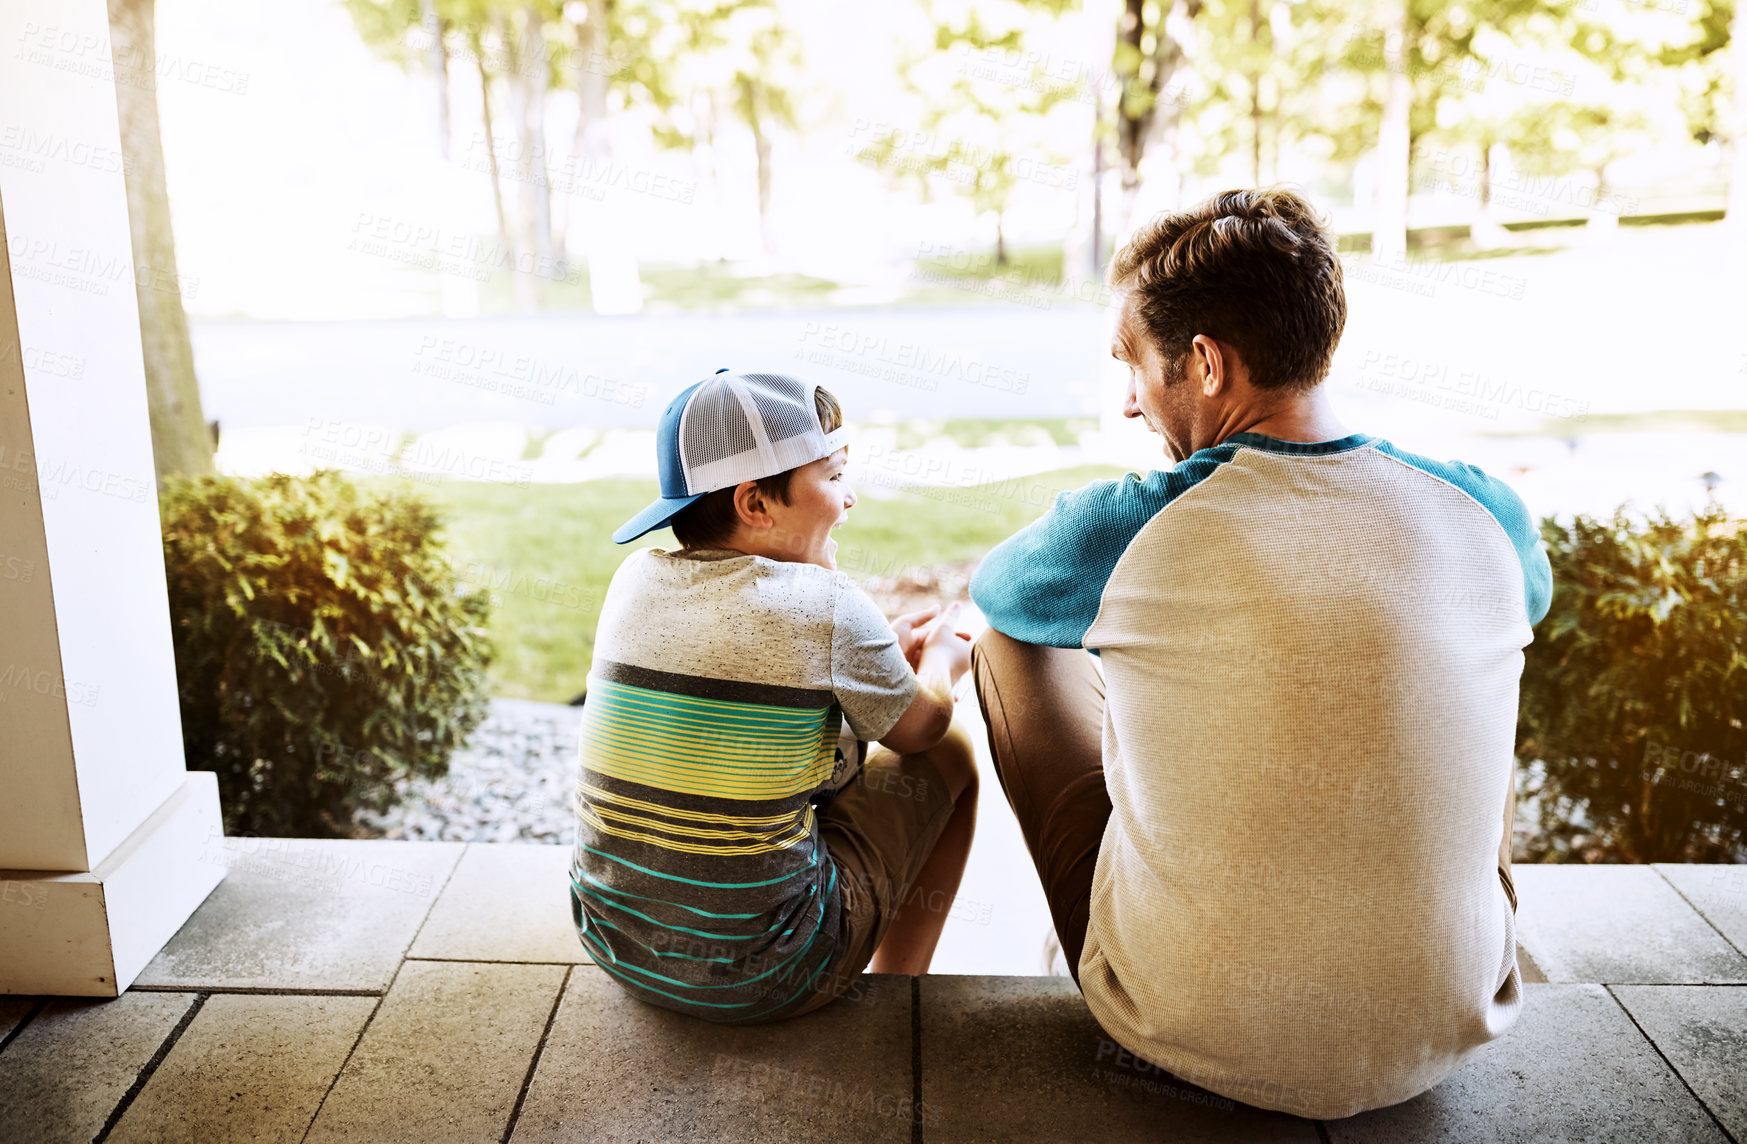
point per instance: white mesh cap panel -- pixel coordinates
(720, 447)
(713, 435)
(784, 404)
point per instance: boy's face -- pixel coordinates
(819, 500)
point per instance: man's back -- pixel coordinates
(1312, 655)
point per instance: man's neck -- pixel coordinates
(1307, 417)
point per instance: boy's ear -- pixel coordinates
(749, 505)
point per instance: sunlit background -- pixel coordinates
(912, 203)
(471, 248)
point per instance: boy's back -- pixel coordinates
(716, 713)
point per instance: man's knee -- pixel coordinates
(992, 644)
(992, 655)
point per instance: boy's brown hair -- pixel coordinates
(709, 522)
(1255, 270)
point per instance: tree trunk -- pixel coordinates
(1131, 124)
(1486, 231)
(437, 59)
(503, 226)
(588, 148)
(591, 82)
(1000, 243)
(1603, 223)
(1094, 39)
(575, 167)
(1097, 205)
(1736, 211)
(182, 443)
(1389, 226)
(761, 143)
(536, 213)
(613, 283)
(1256, 92)
(1148, 140)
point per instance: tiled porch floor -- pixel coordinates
(424, 991)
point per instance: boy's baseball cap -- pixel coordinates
(726, 429)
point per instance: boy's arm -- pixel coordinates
(925, 721)
(946, 656)
(870, 676)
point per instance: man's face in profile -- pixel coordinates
(1156, 391)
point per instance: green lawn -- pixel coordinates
(547, 554)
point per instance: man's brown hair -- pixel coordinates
(1255, 270)
(709, 522)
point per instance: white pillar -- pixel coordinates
(107, 843)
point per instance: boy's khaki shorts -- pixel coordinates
(879, 831)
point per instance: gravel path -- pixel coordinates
(512, 783)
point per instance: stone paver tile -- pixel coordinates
(14, 1009)
(1021, 1059)
(1572, 1068)
(445, 1056)
(1702, 1030)
(618, 1069)
(504, 902)
(247, 1067)
(1617, 924)
(65, 1073)
(303, 913)
(1717, 892)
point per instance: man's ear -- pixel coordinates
(749, 506)
(1217, 376)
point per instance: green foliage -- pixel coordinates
(1703, 63)
(1635, 690)
(733, 57)
(322, 650)
(982, 130)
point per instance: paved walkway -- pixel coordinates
(425, 991)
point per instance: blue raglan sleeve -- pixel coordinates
(1044, 584)
(1512, 515)
(1525, 537)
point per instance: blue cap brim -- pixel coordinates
(663, 510)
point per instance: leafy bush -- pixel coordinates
(322, 650)
(1635, 690)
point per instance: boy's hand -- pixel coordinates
(944, 647)
(942, 655)
(909, 639)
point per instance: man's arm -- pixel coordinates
(1512, 516)
(1045, 583)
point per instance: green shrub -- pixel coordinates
(1635, 689)
(322, 650)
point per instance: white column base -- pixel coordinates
(89, 935)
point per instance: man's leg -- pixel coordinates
(1045, 711)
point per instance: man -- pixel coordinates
(1274, 828)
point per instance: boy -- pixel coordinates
(740, 853)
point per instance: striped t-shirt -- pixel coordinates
(729, 695)
(1311, 654)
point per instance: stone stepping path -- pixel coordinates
(425, 991)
